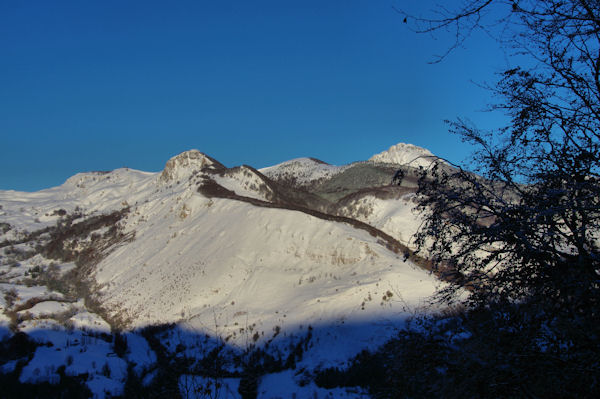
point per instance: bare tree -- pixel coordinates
(527, 226)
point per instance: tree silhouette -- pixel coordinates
(527, 226)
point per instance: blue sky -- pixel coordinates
(98, 85)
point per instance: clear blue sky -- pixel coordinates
(97, 85)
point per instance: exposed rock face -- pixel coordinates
(182, 166)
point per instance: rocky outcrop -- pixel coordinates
(182, 166)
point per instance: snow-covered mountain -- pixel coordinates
(405, 154)
(203, 258)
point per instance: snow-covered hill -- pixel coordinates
(302, 171)
(222, 259)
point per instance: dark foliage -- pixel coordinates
(168, 369)
(22, 348)
(367, 369)
(495, 353)
(120, 345)
(16, 347)
(248, 388)
(67, 388)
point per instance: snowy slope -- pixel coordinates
(267, 262)
(394, 216)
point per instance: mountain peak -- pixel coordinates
(405, 154)
(182, 165)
